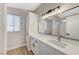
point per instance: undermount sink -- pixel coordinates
(57, 43)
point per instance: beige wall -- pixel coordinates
(3, 32)
(16, 39)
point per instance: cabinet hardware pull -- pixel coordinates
(33, 45)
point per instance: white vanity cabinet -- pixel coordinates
(40, 48)
(48, 50)
(43, 49)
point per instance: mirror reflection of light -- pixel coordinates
(64, 20)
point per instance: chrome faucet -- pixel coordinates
(59, 37)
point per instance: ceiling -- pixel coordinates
(26, 6)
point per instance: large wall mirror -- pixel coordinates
(70, 27)
(66, 24)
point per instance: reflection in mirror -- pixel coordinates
(70, 27)
(50, 25)
(45, 26)
(64, 24)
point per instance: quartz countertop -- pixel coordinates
(71, 47)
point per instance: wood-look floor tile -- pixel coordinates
(19, 51)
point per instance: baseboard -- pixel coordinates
(3, 54)
(16, 47)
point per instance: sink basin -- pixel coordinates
(57, 43)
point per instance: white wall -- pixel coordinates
(33, 23)
(3, 32)
(17, 39)
(33, 28)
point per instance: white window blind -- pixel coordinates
(13, 23)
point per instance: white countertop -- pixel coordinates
(71, 48)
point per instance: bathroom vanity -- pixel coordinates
(57, 34)
(42, 44)
(40, 48)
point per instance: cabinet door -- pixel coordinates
(34, 46)
(42, 49)
(47, 50)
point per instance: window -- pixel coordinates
(13, 23)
